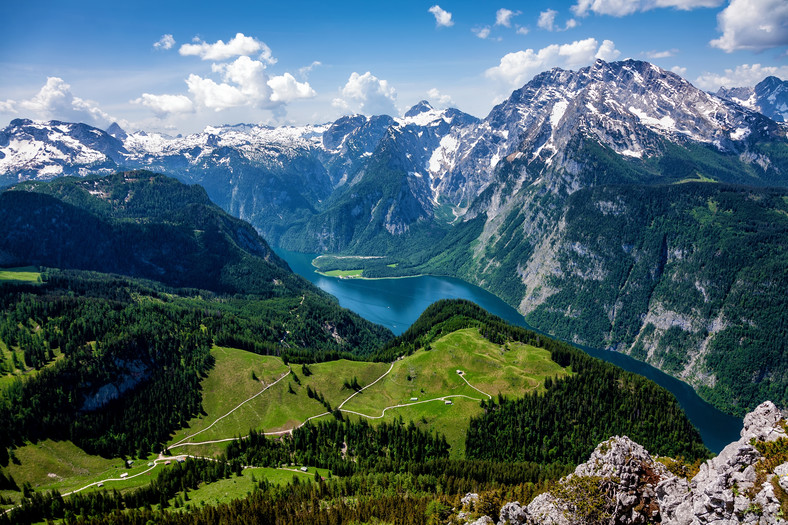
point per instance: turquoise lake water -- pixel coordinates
(397, 303)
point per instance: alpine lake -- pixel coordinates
(397, 303)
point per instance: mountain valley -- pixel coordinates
(615, 206)
(155, 350)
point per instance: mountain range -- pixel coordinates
(616, 206)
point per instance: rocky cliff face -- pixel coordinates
(622, 483)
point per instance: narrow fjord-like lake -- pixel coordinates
(397, 303)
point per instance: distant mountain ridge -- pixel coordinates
(769, 96)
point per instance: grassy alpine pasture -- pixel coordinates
(236, 487)
(430, 376)
(27, 274)
(62, 466)
(417, 388)
(281, 407)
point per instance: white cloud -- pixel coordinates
(627, 7)
(547, 19)
(442, 18)
(209, 94)
(56, 101)
(522, 30)
(752, 24)
(606, 7)
(238, 83)
(653, 55)
(503, 17)
(165, 42)
(285, 88)
(367, 94)
(163, 105)
(684, 5)
(245, 84)
(517, 68)
(239, 45)
(607, 51)
(745, 75)
(680, 71)
(481, 32)
(438, 99)
(304, 71)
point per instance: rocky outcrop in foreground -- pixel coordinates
(623, 484)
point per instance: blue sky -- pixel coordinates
(177, 67)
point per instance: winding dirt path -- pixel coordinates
(462, 375)
(354, 394)
(444, 398)
(181, 442)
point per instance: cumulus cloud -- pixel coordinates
(744, 75)
(285, 88)
(503, 17)
(627, 7)
(522, 30)
(210, 94)
(653, 55)
(438, 99)
(752, 24)
(547, 19)
(163, 105)
(442, 18)
(238, 79)
(367, 94)
(165, 42)
(239, 45)
(56, 101)
(607, 51)
(517, 68)
(680, 71)
(244, 84)
(481, 32)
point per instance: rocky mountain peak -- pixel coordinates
(116, 131)
(419, 108)
(769, 97)
(622, 483)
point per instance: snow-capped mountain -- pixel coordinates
(278, 178)
(770, 97)
(631, 107)
(44, 150)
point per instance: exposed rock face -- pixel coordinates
(622, 484)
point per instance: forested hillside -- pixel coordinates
(114, 364)
(394, 470)
(143, 225)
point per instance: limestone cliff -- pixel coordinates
(622, 483)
